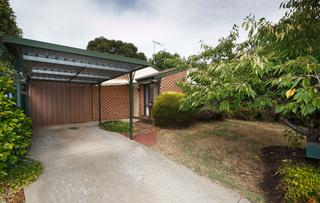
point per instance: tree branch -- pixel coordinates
(295, 127)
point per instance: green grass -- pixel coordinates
(19, 176)
(115, 126)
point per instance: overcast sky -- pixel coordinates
(178, 24)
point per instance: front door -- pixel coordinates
(148, 98)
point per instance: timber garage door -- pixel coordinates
(53, 103)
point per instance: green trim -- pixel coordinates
(7, 39)
(131, 104)
(18, 84)
(160, 75)
(169, 73)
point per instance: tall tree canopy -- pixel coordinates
(164, 60)
(277, 68)
(117, 47)
(8, 26)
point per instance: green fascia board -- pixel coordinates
(169, 73)
(7, 39)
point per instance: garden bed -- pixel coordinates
(23, 173)
(144, 133)
(273, 157)
(239, 154)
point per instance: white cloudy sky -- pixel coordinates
(178, 24)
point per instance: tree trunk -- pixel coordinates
(312, 134)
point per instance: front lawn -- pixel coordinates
(232, 152)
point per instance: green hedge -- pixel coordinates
(166, 111)
(301, 183)
(15, 127)
(16, 171)
(115, 126)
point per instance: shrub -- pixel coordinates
(166, 111)
(15, 127)
(207, 114)
(252, 115)
(21, 174)
(294, 139)
(301, 183)
(115, 126)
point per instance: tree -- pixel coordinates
(164, 60)
(277, 68)
(117, 47)
(8, 26)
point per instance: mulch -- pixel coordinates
(272, 157)
(16, 198)
(144, 133)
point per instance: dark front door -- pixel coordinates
(148, 98)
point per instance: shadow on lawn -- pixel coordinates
(272, 158)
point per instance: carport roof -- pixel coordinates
(54, 62)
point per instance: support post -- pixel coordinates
(99, 101)
(131, 103)
(18, 78)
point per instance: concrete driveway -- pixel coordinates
(83, 163)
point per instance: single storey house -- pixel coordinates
(150, 86)
(69, 85)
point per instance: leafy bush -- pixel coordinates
(115, 126)
(207, 114)
(252, 115)
(18, 176)
(166, 111)
(15, 127)
(294, 138)
(301, 183)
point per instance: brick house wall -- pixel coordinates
(115, 98)
(168, 83)
(114, 102)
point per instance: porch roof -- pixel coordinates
(47, 61)
(159, 75)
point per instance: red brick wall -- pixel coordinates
(114, 102)
(169, 82)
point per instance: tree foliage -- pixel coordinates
(276, 68)
(15, 127)
(164, 60)
(117, 47)
(8, 26)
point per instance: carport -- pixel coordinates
(67, 67)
